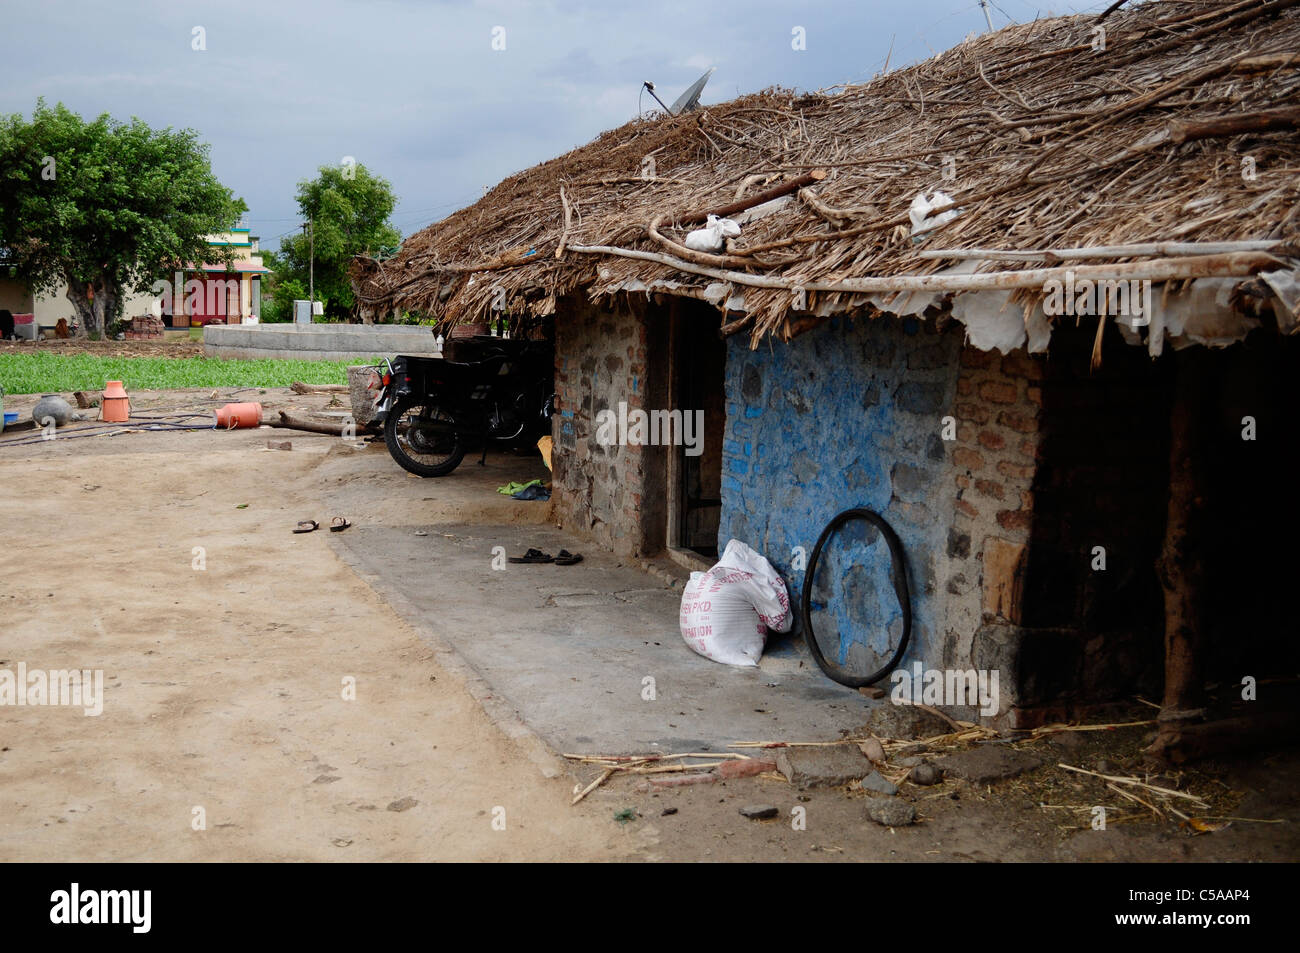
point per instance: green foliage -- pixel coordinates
(105, 206)
(278, 296)
(42, 372)
(349, 209)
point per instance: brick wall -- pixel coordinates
(993, 461)
(613, 495)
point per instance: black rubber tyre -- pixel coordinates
(396, 438)
(898, 574)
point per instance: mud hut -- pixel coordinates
(1032, 300)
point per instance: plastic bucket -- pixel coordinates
(235, 416)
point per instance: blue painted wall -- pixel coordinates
(847, 415)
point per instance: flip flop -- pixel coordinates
(533, 556)
(566, 558)
(338, 524)
(311, 525)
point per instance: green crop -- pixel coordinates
(46, 373)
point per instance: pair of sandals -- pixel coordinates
(564, 558)
(337, 525)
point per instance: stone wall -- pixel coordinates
(901, 418)
(611, 494)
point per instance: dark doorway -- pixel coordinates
(699, 358)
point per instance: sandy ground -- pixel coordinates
(224, 692)
(223, 687)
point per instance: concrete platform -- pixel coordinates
(569, 648)
(307, 342)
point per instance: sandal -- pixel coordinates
(338, 524)
(566, 558)
(311, 525)
(533, 556)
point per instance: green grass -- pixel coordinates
(46, 373)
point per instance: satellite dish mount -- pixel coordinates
(687, 100)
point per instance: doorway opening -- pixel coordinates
(697, 387)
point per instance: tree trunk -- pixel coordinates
(1181, 565)
(96, 302)
(81, 304)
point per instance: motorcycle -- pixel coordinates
(432, 410)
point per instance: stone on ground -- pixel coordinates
(988, 763)
(906, 723)
(825, 767)
(891, 811)
(880, 785)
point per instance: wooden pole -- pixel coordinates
(1181, 566)
(785, 188)
(1240, 264)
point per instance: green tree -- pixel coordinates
(347, 208)
(105, 207)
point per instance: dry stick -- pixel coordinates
(1162, 249)
(1133, 797)
(956, 725)
(1186, 39)
(727, 330)
(785, 188)
(298, 387)
(633, 180)
(1136, 783)
(592, 786)
(1110, 9)
(1044, 730)
(834, 215)
(568, 220)
(1241, 264)
(656, 757)
(289, 422)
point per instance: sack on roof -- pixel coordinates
(921, 207)
(713, 236)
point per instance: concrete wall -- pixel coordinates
(852, 414)
(49, 308)
(611, 494)
(14, 296)
(334, 342)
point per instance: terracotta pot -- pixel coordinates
(114, 405)
(233, 416)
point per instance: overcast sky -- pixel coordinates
(415, 91)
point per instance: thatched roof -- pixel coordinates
(1042, 139)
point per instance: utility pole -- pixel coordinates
(984, 5)
(311, 266)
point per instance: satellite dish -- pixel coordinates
(691, 98)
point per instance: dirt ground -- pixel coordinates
(176, 347)
(224, 695)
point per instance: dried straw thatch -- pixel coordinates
(1044, 141)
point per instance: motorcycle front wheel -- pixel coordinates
(422, 437)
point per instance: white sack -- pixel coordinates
(727, 611)
(920, 211)
(713, 236)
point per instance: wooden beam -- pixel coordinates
(1135, 250)
(1238, 265)
(740, 205)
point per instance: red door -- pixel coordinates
(219, 303)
